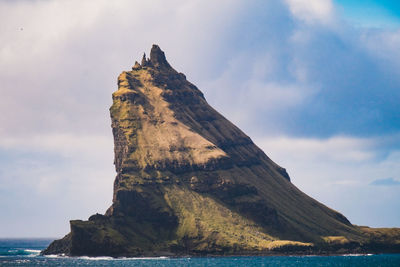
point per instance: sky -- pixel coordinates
(314, 83)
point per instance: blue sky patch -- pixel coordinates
(386, 182)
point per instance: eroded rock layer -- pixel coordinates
(190, 182)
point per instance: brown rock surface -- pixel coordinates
(190, 182)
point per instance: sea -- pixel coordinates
(26, 252)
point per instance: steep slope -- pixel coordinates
(190, 182)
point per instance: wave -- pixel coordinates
(107, 258)
(144, 258)
(356, 255)
(35, 251)
(54, 256)
(19, 252)
(95, 258)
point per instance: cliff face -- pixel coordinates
(190, 182)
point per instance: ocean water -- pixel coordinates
(25, 252)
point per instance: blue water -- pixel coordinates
(25, 252)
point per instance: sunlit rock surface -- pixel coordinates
(189, 182)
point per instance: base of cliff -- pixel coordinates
(105, 241)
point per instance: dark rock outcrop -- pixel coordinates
(190, 182)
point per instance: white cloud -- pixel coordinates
(63, 144)
(383, 44)
(338, 148)
(51, 179)
(312, 11)
(337, 171)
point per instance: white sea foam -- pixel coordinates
(122, 258)
(356, 255)
(22, 261)
(107, 258)
(32, 251)
(148, 258)
(95, 258)
(53, 256)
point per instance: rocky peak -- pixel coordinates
(145, 62)
(190, 182)
(157, 57)
(157, 60)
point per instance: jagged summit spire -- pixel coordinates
(144, 60)
(157, 57)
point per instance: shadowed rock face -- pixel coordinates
(190, 182)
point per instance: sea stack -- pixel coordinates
(189, 182)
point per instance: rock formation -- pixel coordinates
(189, 182)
